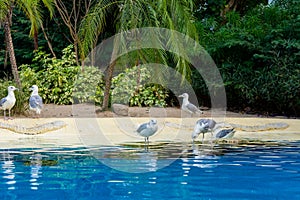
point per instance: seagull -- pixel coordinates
(203, 126)
(35, 101)
(225, 133)
(9, 101)
(147, 129)
(187, 106)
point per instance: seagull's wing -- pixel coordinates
(207, 123)
(142, 127)
(36, 101)
(225, 133)
(2, 101)
(192, 108)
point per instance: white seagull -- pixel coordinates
(9, 101)
(225, 133)
(35, 101)
(187, 106)
(147, 129)
(203, 126)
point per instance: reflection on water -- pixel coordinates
(136, 158)
(8, 168)
(35, 170)
(188, 169)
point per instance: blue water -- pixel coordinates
(228, 171)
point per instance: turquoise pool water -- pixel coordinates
(255, 171)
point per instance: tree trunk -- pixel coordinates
(48, 41)
(35, 40)
(11, 52)
(108, 79)
(6, 54)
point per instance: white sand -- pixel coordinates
(114, 131)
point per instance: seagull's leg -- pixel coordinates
(211, 136)
(9, 114)
(5, 115)
(202, 138)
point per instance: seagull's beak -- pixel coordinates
(180, 96)
(16, 89)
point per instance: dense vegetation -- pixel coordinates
(256, 48)
(258, 56)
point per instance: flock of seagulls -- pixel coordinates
(202, 125)
(145, 130)
(8, 102)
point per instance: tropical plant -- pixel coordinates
(89, 86)
(61, 81)
(32, 10)
(127, 83)
(171, 14)
(71, 15)
(133, 87)
(55, 78)
(258, 56)
(5, 19)
(150, 95)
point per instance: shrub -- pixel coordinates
(89, 86)
(57, 77)
(258, 57)
(132, 87)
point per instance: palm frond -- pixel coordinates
(3, 10)
(93, 25)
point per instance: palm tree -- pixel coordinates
(129, 14)
(32, 9)
(6, 8)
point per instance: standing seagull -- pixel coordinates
(203, 126)
(187, 106)
(35, 101)
(147, 129)
(9, 101)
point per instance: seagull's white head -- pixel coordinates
(153, 122)
(184, 95)
(34, 88)
(12, 88)
(197, 131)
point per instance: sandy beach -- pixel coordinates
(110, 129)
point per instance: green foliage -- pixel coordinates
(56, 79)
(22, 43)
(132, 87)
(150, 95)
(258, 56)
(89, 86)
